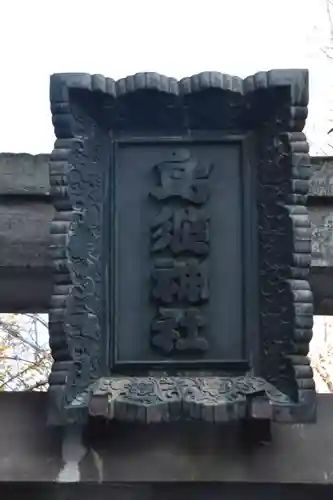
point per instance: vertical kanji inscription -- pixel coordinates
(182, 177)
(181, 280)
(180, 230)
(180, 247)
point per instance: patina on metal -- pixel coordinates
(181, 248)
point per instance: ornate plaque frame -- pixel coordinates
(268, 111)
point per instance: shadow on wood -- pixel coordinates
(119, 453)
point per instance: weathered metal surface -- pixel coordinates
(181, 241)
(26, 213)
(118, 452)
(168, 399)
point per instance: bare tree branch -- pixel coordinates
(16, 334)
(38, 318)
(15, 358)
(18, 375)
(25, 357)
(38, 385)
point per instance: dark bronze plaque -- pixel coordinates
(178, 252)
(181, 248)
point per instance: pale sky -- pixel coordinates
(177, 38)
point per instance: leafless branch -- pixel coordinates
(15, 358)
(18, 375)
(329, 16)
(38, 385)
(15, 333)
(37, 318)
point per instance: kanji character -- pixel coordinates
(181, 280)
(164, 276)
(193, 281)
(181, 230)
(178, 329)
(164, 329)
(191, 321)
(182, 178)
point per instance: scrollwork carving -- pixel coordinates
(89, 113)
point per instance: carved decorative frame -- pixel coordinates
(88, 112)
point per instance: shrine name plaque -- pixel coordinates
(178, 255)
(181, 248)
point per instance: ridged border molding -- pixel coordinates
(271, 107)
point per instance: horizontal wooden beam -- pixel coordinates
(26, 211)
(174, 453)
